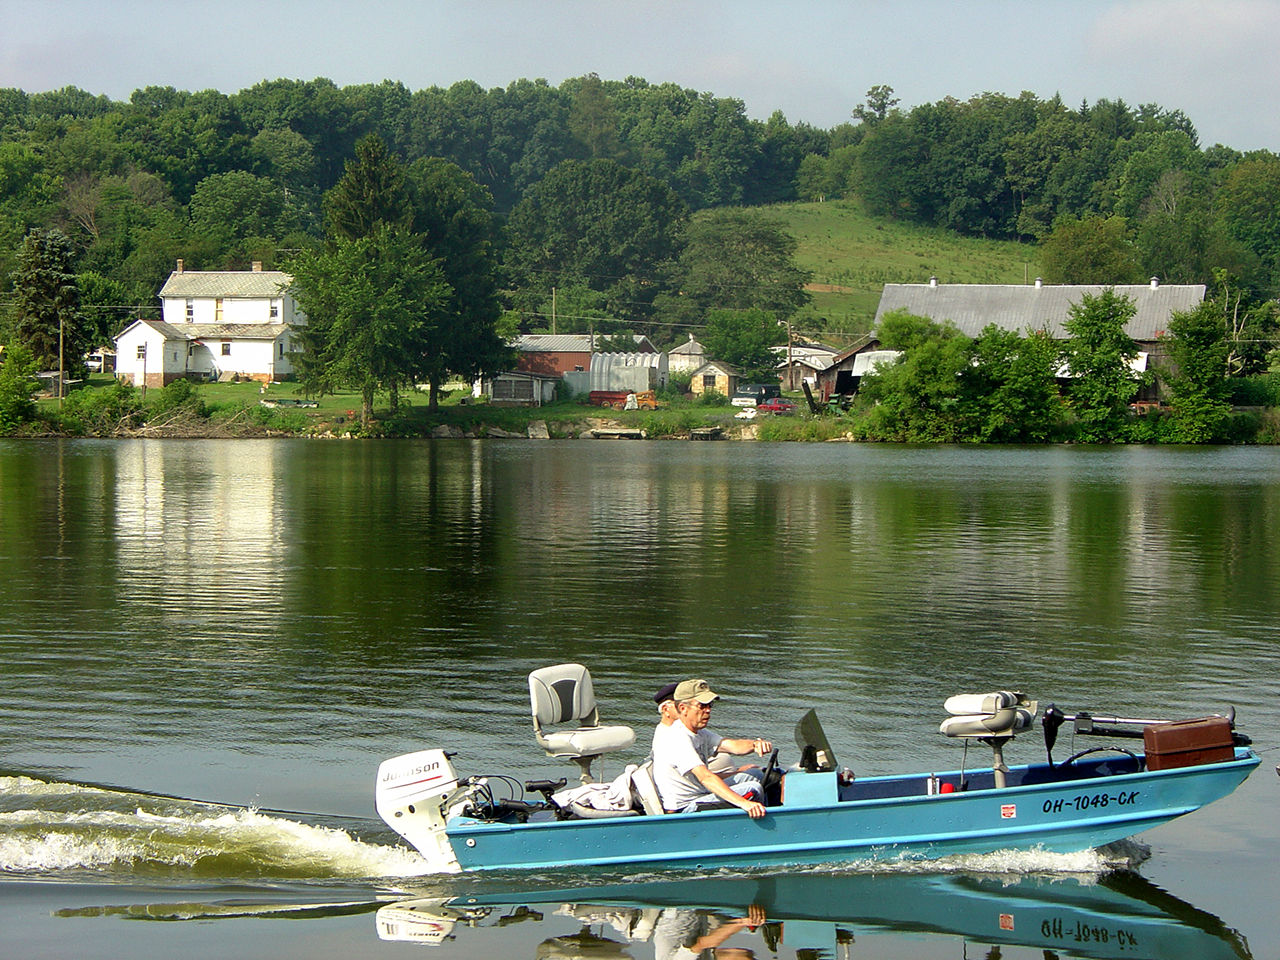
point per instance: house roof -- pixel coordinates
(690, 348)
(212, 331)
(971, 306)
(810, 361)
(225, 283)
(567, 342)
(725, 368)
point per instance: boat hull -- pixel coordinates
(813, 826)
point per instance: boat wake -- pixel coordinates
(55, 828)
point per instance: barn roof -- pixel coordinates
(971, 306)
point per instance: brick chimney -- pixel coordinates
(179, 265)
(257, 266)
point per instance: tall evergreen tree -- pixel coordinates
(48, 300)
(371, 191)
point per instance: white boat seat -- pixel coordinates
(993, 718)
(982, 715)
(645, 790)
(561, 695)
(586, 741)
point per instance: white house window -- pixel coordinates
(142, 351)
(275, 309)
(226, 349)
(708, 381)
(281, 349)
(191, 350)
(191, 310)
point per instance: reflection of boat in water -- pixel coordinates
(818, 814)
(1119, 915)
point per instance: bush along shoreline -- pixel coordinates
(107, 408)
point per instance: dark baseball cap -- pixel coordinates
(664, 693)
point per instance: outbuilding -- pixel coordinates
(715, 376)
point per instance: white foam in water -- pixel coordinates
(44, 837)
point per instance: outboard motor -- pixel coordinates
(413, 795)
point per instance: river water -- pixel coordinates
(207, 647)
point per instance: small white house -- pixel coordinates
(217, 324)
(153, 353)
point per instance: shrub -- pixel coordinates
(102, 412)
(1267, 428)
(17, 388)
(1260, 390)
(179, 396)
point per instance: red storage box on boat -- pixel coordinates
(1187, 743)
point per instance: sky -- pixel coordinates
(1216, 60)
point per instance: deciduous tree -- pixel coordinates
(737, 259)
(1090, 250)
(1100, 356)
(743, 338)
(376, 306)
(1198, 379)
(453, 219)
(597, 223)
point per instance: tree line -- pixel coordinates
(611, 206)
(1112, 193)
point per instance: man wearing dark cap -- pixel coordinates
(718, 763)
(681, 752)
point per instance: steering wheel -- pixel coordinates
(1084, 753)
(770, 771)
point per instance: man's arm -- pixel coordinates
(715, 785)
(740, 747)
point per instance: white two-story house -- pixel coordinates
(216, 325)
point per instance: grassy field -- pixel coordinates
(853, 255)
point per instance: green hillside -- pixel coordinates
(852, 255)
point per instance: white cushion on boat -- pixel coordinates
(587, 741)
(645, 789)
(1002, 723)
(967, 704)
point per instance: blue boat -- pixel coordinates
(819, 813)
(1117, 915)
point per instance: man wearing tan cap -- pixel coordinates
(681, 752)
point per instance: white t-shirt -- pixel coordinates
(676, 751)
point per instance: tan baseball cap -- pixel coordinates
(698, 690)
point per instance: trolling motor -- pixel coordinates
(1214, 732)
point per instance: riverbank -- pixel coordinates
(182, 410)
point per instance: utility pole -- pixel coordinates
(61, 365)
(553, 310)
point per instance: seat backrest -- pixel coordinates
(645, 790)
(562, 694)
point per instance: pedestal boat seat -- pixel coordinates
(563, 695)
(990, 718)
